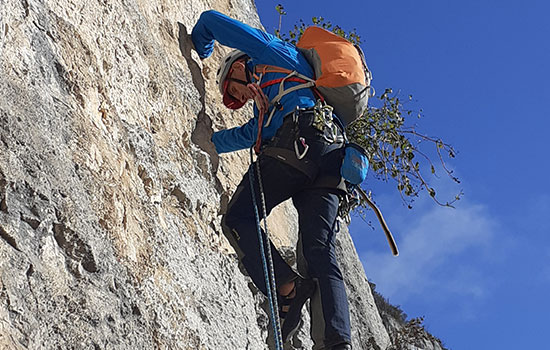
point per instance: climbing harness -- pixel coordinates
(265, 251)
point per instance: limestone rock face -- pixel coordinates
(111, 193)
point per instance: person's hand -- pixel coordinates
(262, 103)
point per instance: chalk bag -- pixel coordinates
(355, 164)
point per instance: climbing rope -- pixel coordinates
(267, 262)
(269, 256)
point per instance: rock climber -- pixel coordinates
(297, 161)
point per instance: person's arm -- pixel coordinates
(234, 139)
(213, 26)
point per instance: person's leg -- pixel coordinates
(279, 182)
(317, 210)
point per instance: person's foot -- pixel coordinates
(290, 306)
(342, 347)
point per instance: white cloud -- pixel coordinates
(438, 253)
(456, 263)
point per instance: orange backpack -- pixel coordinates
(341, 74)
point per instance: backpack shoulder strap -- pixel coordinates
(266, 68)
(293, 76)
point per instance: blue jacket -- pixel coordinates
(262, 48)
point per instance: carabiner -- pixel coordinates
(304, 144)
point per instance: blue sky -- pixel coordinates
(480, 273)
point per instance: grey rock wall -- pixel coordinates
(110, 197)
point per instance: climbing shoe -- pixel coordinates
(290, 306)
(342, 347)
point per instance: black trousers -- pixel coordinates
(317, 209)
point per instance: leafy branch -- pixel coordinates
(394, 148)
(282, 13)
(296, 32)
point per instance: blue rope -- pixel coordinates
(269, 257)
(269, 277)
